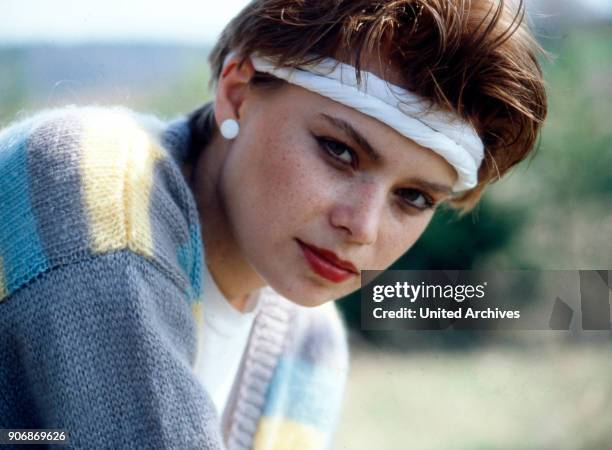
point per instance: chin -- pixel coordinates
(303, 297)
(307, 304)
(309, 293)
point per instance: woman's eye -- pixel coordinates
(415, 198)
(339, 151)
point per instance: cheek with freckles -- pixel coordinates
(283, 181)
(292, 176)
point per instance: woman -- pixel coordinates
(170, 285)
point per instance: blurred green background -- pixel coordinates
(430, 390)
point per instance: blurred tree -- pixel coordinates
(578, 133)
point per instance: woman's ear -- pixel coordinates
(232, 89)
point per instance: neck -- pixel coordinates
(233, 274)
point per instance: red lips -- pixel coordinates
(326, 264)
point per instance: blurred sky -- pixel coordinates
(74, 21)
(176, 21)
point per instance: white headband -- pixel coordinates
(446, 134)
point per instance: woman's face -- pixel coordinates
(314, 192)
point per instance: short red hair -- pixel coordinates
(475, 58)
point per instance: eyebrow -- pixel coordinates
(354, 134)
(374, 155)
(431, 186)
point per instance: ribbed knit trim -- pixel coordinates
(261, 358)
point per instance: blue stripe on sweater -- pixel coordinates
(198, 260)
(305, 393)
(20, 246)
(190, 258)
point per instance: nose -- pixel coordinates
(359, 213)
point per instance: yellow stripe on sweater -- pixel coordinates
(275, 433)
(117, 167)
(3, 289)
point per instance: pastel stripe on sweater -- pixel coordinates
(117, 167)
(20, 247)
(277, 433)
(98, 165)
(190, 258)
(306, 394)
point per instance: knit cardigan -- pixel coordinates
(101, 300)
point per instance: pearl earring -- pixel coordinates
(230, 129)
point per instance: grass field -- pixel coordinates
(555, 397)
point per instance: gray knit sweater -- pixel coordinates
(101, 300)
